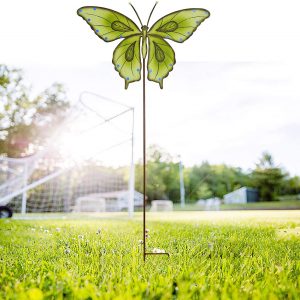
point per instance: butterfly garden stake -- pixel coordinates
(129, 57)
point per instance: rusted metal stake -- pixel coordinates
(144, 168)
(144, 160)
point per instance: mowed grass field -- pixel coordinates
(213, 255)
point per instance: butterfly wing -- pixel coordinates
(179, 25)
(161, 59)
(108, 24)
(127, 59)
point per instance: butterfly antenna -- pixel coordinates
(136, 13)
(151, 12)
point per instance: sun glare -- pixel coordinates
(91, 138)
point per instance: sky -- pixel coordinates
(233, 93)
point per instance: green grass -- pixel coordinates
(285, 204)
(214, 255)
(291, 204)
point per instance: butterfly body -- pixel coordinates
(144, 41)
(110, 25)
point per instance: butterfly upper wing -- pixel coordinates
(179, 25)
(127, 59)
(108, 24)
(161, 59)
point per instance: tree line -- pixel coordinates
(26, 121)
(205, 180)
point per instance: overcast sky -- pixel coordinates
(233, 93)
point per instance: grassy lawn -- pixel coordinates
(214, 255)
(287, 204)
(292, 204)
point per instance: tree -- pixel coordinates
(204, 191)
(26, 121)
(291, 186)
(268, 178)
(205, 181)
(163, 175)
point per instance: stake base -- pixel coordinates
(152, 253)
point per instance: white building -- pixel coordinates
(242, 195)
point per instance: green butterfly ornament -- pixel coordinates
(110, 25)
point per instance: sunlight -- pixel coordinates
(89, 138)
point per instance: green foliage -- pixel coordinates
(4, 77)
(204, 191)
(26, 121)
(163, 175)
(291, 186)
(268, 178)
(201, 182)
(258, 258)
(205, 181)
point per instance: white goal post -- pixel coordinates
(100, 131)
(161, 205)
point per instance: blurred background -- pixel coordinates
(222, 134)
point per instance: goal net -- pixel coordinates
(86, 165)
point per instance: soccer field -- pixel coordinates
(213, 255)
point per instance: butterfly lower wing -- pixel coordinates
(161, 59)
(108, 24)
(127, 59)
(179, 25)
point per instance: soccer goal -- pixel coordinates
(161, 205)
(88, 159)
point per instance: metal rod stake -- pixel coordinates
(144, 168)
(144, 160)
